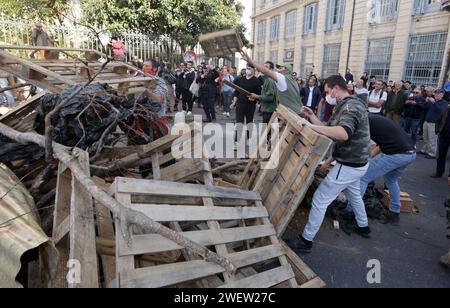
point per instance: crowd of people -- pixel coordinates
(422, 111)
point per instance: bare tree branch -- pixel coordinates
(127, 216)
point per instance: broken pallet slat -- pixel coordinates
(134, 186)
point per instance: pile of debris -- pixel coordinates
(112, 195)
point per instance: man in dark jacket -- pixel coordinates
(433, 109)
(206, 79)
(187, 77)
(443, 132)
(413, 110)
(311, 95)
(395, 103)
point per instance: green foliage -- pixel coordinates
(50, 11)
(181, 20)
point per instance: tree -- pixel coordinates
(181, 20)
(39, 10)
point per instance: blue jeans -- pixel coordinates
(391, 167)
(412, 127)
(227, 97)
(8, 94)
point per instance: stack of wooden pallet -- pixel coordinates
(232, 222)
(65, 67)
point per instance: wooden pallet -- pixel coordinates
(222, 43)
(283, 186)
(74, 229)
(187, 205)
(68, 67)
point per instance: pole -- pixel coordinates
(351, 36)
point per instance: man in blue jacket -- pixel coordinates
(311, 95)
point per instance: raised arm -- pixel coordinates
(260, 67)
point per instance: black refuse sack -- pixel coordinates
(99, 106)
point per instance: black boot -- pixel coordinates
(391, 218)
(364, 232)
(300, 245)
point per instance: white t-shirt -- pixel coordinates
(281, 82)
(310, 97)
(361, 91)
(375, 97)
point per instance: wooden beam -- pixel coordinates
(82, 229)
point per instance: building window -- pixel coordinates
(426, 6)
(261, 57)
(307, 61)
(335, 14)
(310, 19)
(378, 59)
(424, 59)
(291, 22)
(382, 10)
(262, 3)
(274, 28)
(273, 57)
(331, 56)
(262, 32)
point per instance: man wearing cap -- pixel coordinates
(433, 109)
(288, 90)
(40, 38)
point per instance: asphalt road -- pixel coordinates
(408, 254)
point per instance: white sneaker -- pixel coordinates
(224, 114)
(184, 112)
(228, 114)
(189, 113)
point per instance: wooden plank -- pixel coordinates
(302, 271)
(82, 229)
(184, 170)
(316, 157)
(17, 113)
(274, 240)
(315, 283)
(61, 213)
(173, 200)
(36, 67)
(152, 243)
(168, 213)
(47, 86)
(61, 230)
(106, 230)
(135, 186)
(166, 275)
(49, 48)
(123, 263)
(263, 280)
(155, 166)
(294, 120)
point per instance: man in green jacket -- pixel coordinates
(268, 95)
(395, 102)
(288, 90)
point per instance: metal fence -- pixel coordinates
(143, 46)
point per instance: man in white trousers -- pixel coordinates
(349, 128)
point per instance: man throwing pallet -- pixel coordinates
(288, 91)
(349, 128)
